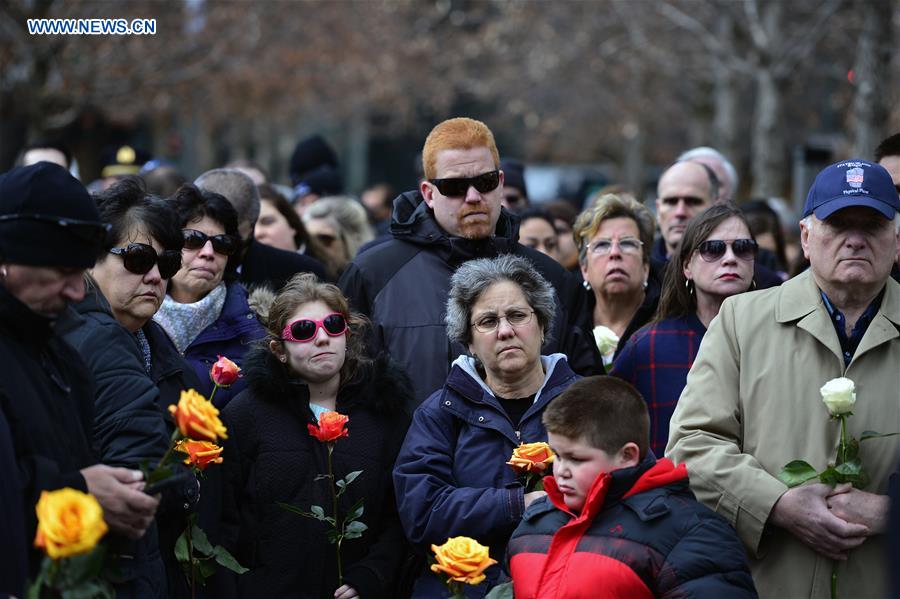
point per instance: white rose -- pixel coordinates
(839, 395)
(607, 342)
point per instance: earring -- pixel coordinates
(752, 284)
(645, 283)
(586, 285)
(689, 285)
(283, 359)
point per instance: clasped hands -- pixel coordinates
(831, 520)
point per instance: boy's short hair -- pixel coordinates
(604, 411)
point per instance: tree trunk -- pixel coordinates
(872, 77)
(769, 163)
(726, 121)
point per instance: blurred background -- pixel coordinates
(586, 93)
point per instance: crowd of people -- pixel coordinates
(672, 359)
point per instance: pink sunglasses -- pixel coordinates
(305, 329)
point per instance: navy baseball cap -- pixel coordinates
(852, 182)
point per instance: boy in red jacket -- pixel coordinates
(617, 522)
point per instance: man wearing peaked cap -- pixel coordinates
(50, 232)
(752, 402)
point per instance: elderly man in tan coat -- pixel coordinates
(752, 401)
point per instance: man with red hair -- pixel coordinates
(454, 216)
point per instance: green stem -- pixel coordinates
(843, 449)
(334, 505)
(213, 394)
(172, 441)
(190, 544)
(834, 576)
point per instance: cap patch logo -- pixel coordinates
(855, 177)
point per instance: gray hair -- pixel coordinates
(475, 276)
(237, 188)
(708, 152)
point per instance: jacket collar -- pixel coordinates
(413, 221)
(800, 300)
(465, 379)
(620, 484)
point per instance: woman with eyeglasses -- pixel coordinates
(205, 311)
(714, 261)
(340, 225)
(314, 362)
(451, 477)
(614, 238)
(138, 373)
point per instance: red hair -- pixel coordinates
(456, 134)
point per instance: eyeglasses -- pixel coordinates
(627, 245)
(139, 259)
(713, 249)
(458, 186)
(86, 230)
(515, 318)
(221, 244)
(306, 329)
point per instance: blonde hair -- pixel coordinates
(460, 133)
(609, 206)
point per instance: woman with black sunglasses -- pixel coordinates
(313, 362)
(714, 261)
(138, 373)
(205, 311)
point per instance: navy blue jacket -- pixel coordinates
(451, 477)
(231, 335)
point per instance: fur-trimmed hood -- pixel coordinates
(379, 383)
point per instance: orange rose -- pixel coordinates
(531, 457)
(224, 372)
(197, 418)
(331, 427)
(69, 523)
(200, 453)
(462, 559)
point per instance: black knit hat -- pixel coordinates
(309, 155)
(47, 218)
(514, 175)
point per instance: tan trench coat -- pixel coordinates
(752, 404)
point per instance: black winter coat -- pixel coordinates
(128, 426)
(270, 457)
(402, 286)
(265, 266)
(47, 398)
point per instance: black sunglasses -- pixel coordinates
(713, 249)
(86, 230)
(139, 258)
(221, 244)
(458, 186)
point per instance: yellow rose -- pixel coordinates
(197, 418)
(531, 457)
(69, 523)
(462, 559)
